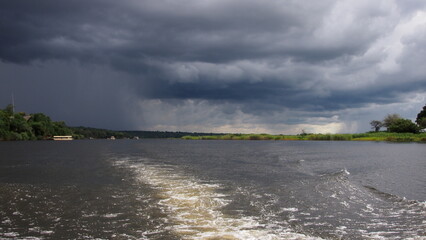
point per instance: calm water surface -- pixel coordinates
(175, 189)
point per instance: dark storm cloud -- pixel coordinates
(208, 31)
(262, 56)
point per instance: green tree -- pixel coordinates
(61, 129)
(4, 120)
(4, 124)
(421, 118)
(403, 126)
(19, 124)
(19, 127)
(40, 117)
(42, 125)
(390, 119)
(9, 109)
(39, 129)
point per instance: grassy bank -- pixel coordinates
(373, 136)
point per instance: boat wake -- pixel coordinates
(327, 205)
(194, 207)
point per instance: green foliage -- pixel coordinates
(390, 119)
(40, 117)
(403, 126)
(361, 135)
(422, 123)
(421, 118)
(20, 126)
(13, 126)
(39, 126)
(370, 136)
(166, 134)
(319, 137)
(86, 132)
(330, 137)
(61, 129)
(8, 110)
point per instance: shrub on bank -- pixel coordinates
(403, 126)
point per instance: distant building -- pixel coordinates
(62, 138)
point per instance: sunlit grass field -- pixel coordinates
(371, 136)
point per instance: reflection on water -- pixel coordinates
(164, 189)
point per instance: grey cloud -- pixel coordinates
(215, 31)
(261, 58)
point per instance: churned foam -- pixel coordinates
(194, 207)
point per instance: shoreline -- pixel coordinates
(374, 137)
(360, 137)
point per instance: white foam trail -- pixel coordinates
(194, 208)
(346, 172)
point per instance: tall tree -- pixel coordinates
(9, 109)
(421, 118)
(390, 119)
(376, 125)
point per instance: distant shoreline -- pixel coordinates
(371, 136)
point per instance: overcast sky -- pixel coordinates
(274, 66)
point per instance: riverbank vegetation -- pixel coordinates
(97, 133)
(38, 126)
(22, 126)
(397, 130)
(396, 124)
(371, 136)
(166, 134)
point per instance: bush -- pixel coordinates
(360, 135)
(421, 118)
(254, 137)
(341, 137)
(319, 137)
(403, 126)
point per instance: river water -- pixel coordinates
(177, 189)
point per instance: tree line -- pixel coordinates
(97, 133)
(395, 123)
(22, 126)
(167, 134)
(38, 126)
